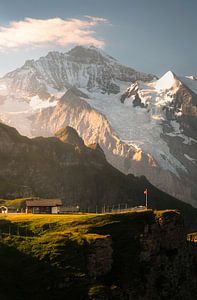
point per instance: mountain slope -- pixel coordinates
(49, 167)
(168, 109)
(133, 140)
(144, 128)
(83, 67)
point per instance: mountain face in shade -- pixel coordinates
(67, 169)
(145, 126)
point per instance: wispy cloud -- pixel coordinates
(38, 32)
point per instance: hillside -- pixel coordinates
(140, 255)
(65, 168)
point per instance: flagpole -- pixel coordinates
(146, 198)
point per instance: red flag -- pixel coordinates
(145, 192)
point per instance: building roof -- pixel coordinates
(44, 202)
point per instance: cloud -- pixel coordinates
(39, 32)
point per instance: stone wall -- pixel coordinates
(170, 266)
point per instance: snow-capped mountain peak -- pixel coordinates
(167, 81)
(83, 67)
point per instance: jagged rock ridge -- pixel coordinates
(81, 67)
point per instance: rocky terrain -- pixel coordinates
(81, 67)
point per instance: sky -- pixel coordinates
(152, 36)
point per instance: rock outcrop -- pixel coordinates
(99, 261)
(156, 262)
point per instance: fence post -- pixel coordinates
(119, 207)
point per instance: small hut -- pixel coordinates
(43, 206)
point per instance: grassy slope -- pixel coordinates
(42, 249)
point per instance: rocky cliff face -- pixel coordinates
(99, 260)
(88, 68)
(161, 267)
(166, 250)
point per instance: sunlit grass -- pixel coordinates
(56, 246)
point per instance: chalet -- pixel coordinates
(43, 206)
